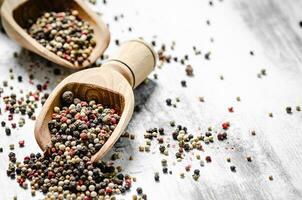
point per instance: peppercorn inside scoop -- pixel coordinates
(65, 34)
(81, 125)
(78, 130)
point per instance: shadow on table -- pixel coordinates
(142, 94)
(40, 67)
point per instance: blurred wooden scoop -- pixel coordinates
(15, 15)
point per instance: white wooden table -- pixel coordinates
(269, 28)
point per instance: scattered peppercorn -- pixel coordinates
(189, 70)
(208, 159)
(139, 190)
(168, 102)
(288, 110)
(271, 178)
(207, 56)
(156, 176)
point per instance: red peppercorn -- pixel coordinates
(21, 143)
(45, 86)
(128, 182)
(87, 198)
(108, 190)
(80, 182)
(63, 119)
(231, 109)
(77, 116)
(113, 121)
(36, 97)
(26, 158)
(14, 125)
(208, 159)
(83, 103)
(84, 136)
(50, 174)
(225, 125)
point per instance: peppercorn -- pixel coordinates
(156, 176)
(139, 190)
(249, 159)
(189, 70)
(271, 178)
(21, 143)
(20, 78)
(288, 110)
(183, 83)
(233, 168)
(11, 146)
(263, 72)
(298, 108)
(231, 109)
(172, 123)
(225, 125)
(208, 159)
(168, 101)
(161, 131)
(165, 170)
(67, 97)
(201, 99)
(8, 131)
(207, 56)
(162, 148)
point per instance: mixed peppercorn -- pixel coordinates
(78, 130)
(65, 34)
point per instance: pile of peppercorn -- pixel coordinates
(65, 34)
(65, 171)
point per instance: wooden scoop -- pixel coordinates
(15, 15)
(111, 84)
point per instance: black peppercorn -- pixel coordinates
(8, 131)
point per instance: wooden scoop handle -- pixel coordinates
(134, 60)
